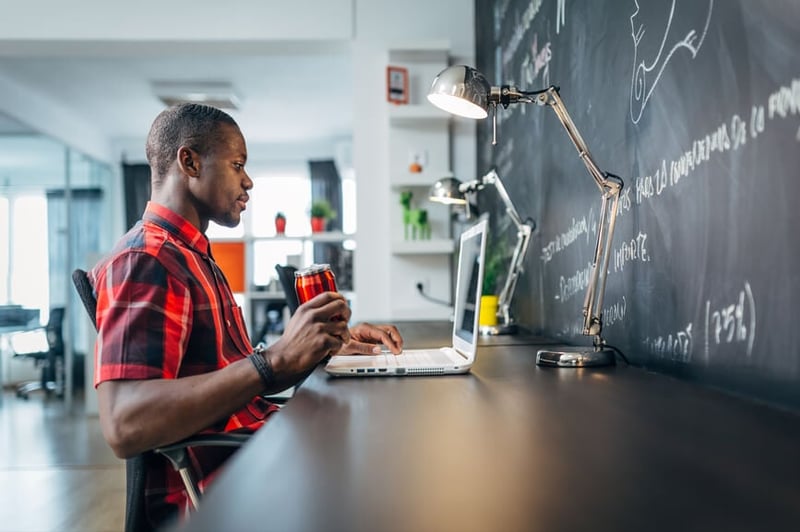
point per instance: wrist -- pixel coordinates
(264, 367)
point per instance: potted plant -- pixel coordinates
(321, 212)
(280, 223)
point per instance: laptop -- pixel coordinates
(455, 358)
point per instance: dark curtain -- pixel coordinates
(326, 184)
(137, 191)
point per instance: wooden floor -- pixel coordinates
(56, 471)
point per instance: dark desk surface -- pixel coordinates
(512, 446)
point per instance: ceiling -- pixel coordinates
(289, 92)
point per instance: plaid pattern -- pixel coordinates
(165, 311)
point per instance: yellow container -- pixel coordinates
(488, 314)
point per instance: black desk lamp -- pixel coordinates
(464, 91)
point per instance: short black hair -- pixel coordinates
(187, 124)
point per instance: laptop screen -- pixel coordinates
(469, 282)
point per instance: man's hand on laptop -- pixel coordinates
(369, 339)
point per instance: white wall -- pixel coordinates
(49, 118)
(380, 25)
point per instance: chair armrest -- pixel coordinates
(176, 452)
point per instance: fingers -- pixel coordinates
(327, 306)
(354, 347)
(388, 335)
(318, 328)
(392, 338)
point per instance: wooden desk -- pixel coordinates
(512, 446)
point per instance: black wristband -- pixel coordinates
(263, 367)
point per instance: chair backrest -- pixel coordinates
(86, 293)
(55, 330)
(286, 277)
(135, 467)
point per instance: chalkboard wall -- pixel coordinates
(695, 104)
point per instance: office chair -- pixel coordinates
(286, 277)
(176, 453)
(45, 345)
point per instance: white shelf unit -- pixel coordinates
(419, 131)
(434, 246)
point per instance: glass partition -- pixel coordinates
(51, 222)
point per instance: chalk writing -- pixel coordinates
(625, 199)
(573, 328)
(563, 240)
(615, 312)
(538, 62)
(784, 101)
(728, 136)
(577, 283)
(520, 28)
(633, 250)
(560, 14)
(505, 159)
(732, 323)
(642, 67)
(756, 120)
(675, 346)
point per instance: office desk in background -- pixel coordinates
(29, 321)
(512, 446)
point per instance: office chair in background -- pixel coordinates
(136, 467)
(286, 277)
(44, 345)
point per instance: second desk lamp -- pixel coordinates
(450, 190)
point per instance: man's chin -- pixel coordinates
(230, 222)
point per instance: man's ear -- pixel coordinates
(188, 161)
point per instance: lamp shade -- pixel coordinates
(462, 91)
(446, 191)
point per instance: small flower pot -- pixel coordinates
(317, 224)
(280, 225)
(488, 312)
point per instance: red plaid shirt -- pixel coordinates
(166, 311)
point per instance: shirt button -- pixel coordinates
(228, 322)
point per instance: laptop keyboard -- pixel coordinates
(418, 357)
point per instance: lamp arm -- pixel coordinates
(610, 187)
(515, 269)
(524, 230)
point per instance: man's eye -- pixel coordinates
(238, 166)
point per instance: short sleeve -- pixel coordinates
(144, 315)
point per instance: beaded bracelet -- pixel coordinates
(263, 367)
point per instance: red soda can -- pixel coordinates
(312, 281)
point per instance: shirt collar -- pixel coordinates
(176, 225)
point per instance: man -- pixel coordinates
(173, 357)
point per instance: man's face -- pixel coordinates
(221, 189)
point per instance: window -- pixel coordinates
(24, 260)
(216, 231)
(4, 251)
(348, 202)
(290, 195)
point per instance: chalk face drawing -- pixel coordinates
(652, 54)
